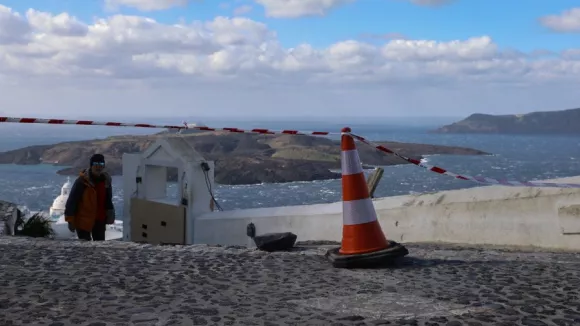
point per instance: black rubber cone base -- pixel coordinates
(375, 259)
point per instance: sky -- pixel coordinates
(273, 59)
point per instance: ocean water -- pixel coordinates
(523, 158)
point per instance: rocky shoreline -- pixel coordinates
(47, 282)
(239, 158)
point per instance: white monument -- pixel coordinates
(149, 215)
(59, 203)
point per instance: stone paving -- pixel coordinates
(46, 282)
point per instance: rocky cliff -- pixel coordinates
(541, 123)
(240, 158)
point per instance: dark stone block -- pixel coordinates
(275, 241)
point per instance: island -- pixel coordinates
(240, 158)
(565, 122)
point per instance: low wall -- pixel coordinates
(498, 215)
(8, 217)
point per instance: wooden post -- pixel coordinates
(374, 179)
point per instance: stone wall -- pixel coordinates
(493, 215)
(8, 216)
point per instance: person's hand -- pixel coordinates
(71, 227)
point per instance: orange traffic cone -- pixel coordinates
(363, 242)
(361, 231)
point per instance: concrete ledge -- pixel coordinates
(495, 215)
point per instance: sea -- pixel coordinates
(514, 157)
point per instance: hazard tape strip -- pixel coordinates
(480, 180)
(176, 127)
(436, 169)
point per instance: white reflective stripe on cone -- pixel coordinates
(358, 212)
(350, 162)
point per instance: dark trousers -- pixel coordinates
(96, 234)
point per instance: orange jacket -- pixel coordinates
(81, 205)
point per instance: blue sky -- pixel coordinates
(513, 24)
(457, 58)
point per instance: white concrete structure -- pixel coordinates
(145, 177)
(61, 231)
(59, 203)
(193, 125)
(498, 215)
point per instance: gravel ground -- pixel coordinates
(46, 282)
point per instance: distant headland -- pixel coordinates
(240, 158)
(564, 122)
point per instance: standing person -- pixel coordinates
(89, 207)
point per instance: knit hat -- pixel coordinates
(97, 158)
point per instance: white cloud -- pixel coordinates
(242, 10)
(273, 8)
(13, 27)
(567, 21)
(572, 54)
(299, 8)
(146, 5)
(62, 24)
(59, 63)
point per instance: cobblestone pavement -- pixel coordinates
(46, 282)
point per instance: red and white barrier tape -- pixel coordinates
(346, 131)
(481, 180)
(145, 125)
(84, 123)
